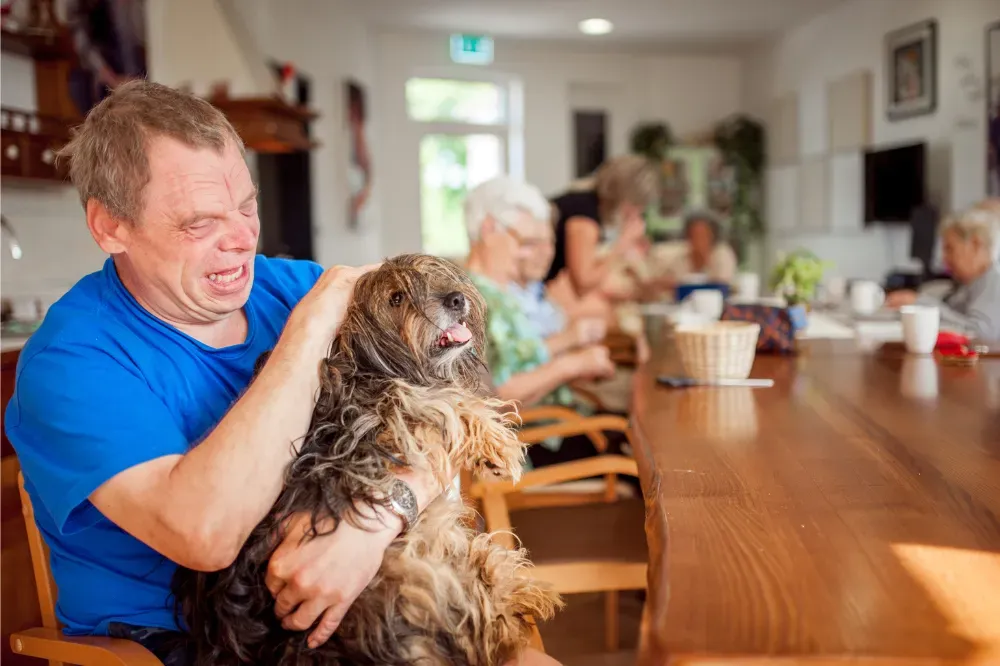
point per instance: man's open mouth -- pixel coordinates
(455, 335)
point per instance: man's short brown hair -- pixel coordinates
(107, 156)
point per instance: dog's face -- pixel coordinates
(417, 318)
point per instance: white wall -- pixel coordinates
(691, 92)
(849, 38)
(328, 42)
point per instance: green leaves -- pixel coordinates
(797, 275)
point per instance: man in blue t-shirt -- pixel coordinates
(142, 444)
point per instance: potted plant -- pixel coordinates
(797, 275)
(652, 140)
(740, 141)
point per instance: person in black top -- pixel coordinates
(612, 203)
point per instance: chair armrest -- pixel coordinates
(584, 426)
(559, 473)
(51, 644)
(549, 413)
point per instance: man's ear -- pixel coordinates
(110, 233)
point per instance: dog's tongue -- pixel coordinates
(459, 333)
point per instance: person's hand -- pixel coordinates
(589, 330)
(320, 578)
(898, 299)
(592, 362)
(631, 239)
(326, 303)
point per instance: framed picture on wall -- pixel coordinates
(911, 70)
(993, 110)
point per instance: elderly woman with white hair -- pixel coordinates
(969, 243)
(505, 218)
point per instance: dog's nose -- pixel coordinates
(455, 301)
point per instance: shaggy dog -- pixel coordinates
(401, 388)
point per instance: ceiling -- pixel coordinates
(649, 23)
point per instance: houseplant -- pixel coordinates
(651, 140)
(797, 275)
(740, 141)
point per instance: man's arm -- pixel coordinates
(197, 509)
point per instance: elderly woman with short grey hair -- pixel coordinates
(969, 244)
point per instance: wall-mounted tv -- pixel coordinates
(895, 183)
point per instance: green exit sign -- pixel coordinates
(472, 49)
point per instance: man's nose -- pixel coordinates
(240, 235)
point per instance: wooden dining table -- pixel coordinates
(850, 511)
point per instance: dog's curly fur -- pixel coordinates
(395, 393)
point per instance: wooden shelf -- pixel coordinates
(268, 124)
(28, 146)
(56, 46)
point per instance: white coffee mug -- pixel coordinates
(747, 286)
(920, 327)
(707, 302)
(866, 297)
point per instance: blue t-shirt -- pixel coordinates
(103, 386)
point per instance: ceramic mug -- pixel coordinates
(747, 286)
(866, 297)
(707, 303)
(920, 327)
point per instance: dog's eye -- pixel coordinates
(396, 299)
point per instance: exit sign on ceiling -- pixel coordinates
(472, 49)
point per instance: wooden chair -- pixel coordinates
(498, 498)
(48, 641)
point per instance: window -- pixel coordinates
(466, 139)
(450, 100)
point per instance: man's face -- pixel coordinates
(190, 254)
(537, 247)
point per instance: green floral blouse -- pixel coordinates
(512, 343)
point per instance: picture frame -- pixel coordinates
(911, 70)
(993, 109)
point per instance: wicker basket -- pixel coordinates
(721, 350)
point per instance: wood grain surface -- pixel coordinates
(852, 511)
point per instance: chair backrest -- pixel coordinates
(44, 583)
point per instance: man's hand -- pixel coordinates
(324, 575)
(898, 299)
(326, 303)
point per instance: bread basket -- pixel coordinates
(720, 350)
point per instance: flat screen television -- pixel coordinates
(895, 183)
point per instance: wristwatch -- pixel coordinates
(403, 503)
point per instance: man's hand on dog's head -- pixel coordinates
(326, 303)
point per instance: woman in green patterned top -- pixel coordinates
(505, 218)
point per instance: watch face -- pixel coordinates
(404, 502)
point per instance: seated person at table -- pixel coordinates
(706, 254)
(969, 247)
(612, 203)
(571, 323)
(143, 443)
(502, 218)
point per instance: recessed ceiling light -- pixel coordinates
(596, 26)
